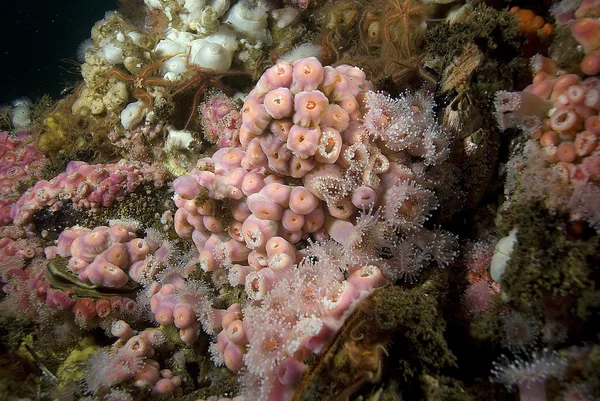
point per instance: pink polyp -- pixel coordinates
(245, 136)
(281, 264)
(254, 116)
(183, 316)
(253, 182)
(277, 245)
(259, 283)
(279, 193)
(349, 104)
(255, 154)
(120, 233)
(164, 311)
(186, 186)
(257, 232)
(233, 357)
(163, 387)
(590, 65)
(300, 167)
(309, 108)
(562, 83)
(197, 221)
(335, 117)
(355, 76)
(302, 201)
(279, 75)
(342, 209)
(235, 231)
(290, 371)
(348, 296)
(236, 333)
(239, 210)
(270, 144)
(206, 259)
(278, 161)
(563, 119)
(586, 31)
(117, 255)
(235, 177)
(212, 224)
(105, 274)
(59, 299)
(592, 98)
(182, 227)
(257, 259)
(543, 89)
(592, 124)
(84, 309)
(303, 142)
(279, 103)
(281, 128)
(65, 240)
(338, 229)
(307, 74)
(314, 220)
(292, 237)
(238, 251)
(329, 147)
(121, 329)
(227, 159)
(367, 278)
(292, 221)
(575, 94)
(94, 242)
(585, 143)
(364, 197)
(138, 249)
(103, 308)
(264, 208)
(330, 78)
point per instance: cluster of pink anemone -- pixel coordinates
(85, 185)
(221, 120)
(19, 161)
(131, 358)
(306, 168)
(108, 256)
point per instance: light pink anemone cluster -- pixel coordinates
(221, 120)
(19, 161)
(130, 358)
(311, 165)
(109, 256)
(85, 185)
(28, 291)
(561, 112)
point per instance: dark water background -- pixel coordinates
(38, 44)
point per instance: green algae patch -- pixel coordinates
(71, 370)
(546, 261)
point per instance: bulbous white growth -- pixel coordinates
(132, 114)
(113, 54)
(250, 21)
(179, 139)
(212, 56)
(502, 253)
(174, 68)
(21, 113)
